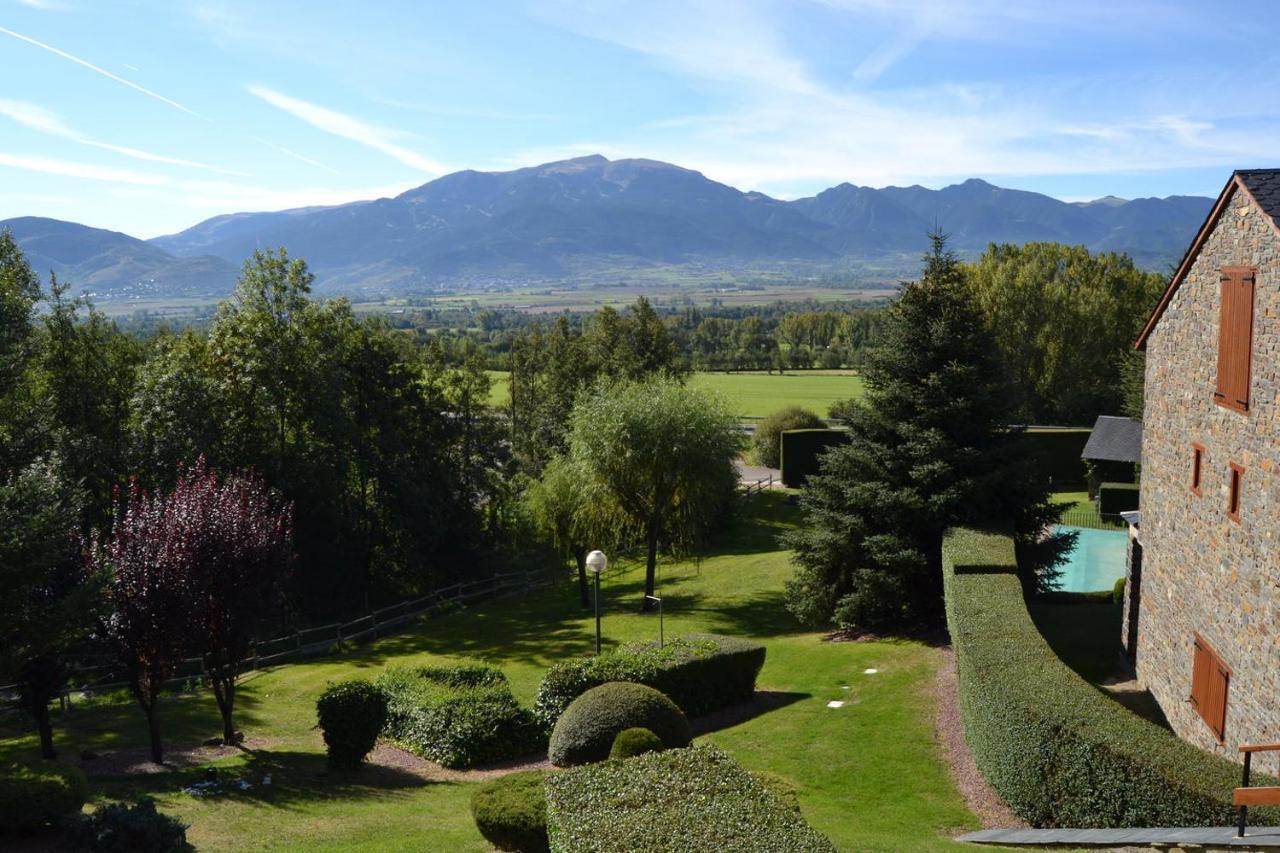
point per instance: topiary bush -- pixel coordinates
(1058, 750)
(511, 812)
(692, 800)
(765, 440)
(1117, 592)
(585, 731)
(35, 797)
(700, 672)
(635, 741)
(457, 716)
(801, 452)
(351, 714)
(124, 828)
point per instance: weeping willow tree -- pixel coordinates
(663, 453)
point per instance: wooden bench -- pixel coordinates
(1245, 796)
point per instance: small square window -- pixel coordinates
(1235, 498)
(1197, 466)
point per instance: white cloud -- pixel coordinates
(105, 73)
(72, 169)
(348, 127)
(295, 155)
(785, 129)
(38, 118)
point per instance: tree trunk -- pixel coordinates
(580, 556)
(153, 728)
(40, 710)
(650, 571)
(224, 690)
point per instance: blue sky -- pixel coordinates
(147, 117)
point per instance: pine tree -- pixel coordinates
(931, 447)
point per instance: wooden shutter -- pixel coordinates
(1235, 337)
(1210, 678)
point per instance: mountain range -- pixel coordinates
(591, 216)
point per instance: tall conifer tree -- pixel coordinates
(930, 447)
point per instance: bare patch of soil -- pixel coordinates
(137, 761)
(982, 799)
(391, 756)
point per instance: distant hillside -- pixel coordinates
(108, 262)
(591, 217)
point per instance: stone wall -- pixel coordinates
(1201, 571)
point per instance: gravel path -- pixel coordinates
(978, 794)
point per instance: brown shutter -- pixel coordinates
(1200, 676)
(1225, 329)
(1235, 337)
(1242, 317)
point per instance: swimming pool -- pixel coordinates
(1097, 561)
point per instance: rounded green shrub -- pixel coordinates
(764, 441)
(124, 828)
(511, 812)
(782, 788)
(585, 731)
(635, 741)
(351, 715)
(34, 797)
(1117, 592)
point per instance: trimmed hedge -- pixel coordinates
(511, 812)
(800, 452)
(1058, 750)
(586, 730)
(767, 438)
(34, 797)
(124, 828)
(351, 714)
(700, 672)
(1057, 453)
(635, 741)
(695, 799)
(457, 716)
(1114, 498)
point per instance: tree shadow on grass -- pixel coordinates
(763, 614)
(297, 779)
(761, 703)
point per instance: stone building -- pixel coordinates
(1202, 609)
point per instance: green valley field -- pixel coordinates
(869, 774)
(756, 394)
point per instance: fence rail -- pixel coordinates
(1088, 516)
(95, 673)
(758, 486)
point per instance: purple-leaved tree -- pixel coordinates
(193, 571)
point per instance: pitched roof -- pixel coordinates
(1260, 185)
(1114, 440)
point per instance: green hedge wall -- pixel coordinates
(800, 451)
(695, 799)
(1058, 455)
(1117, 497)
(1057, 749)
(457, 716)
(700, 672)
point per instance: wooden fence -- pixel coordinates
(93, 674)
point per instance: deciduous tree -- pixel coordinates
(665, 453)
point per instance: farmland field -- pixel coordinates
(754, 394)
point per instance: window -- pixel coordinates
(1235, 338)
(1197, 465)
(1210, 678)
(1234, 498)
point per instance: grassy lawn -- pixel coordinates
(868, 774)
(754, 394)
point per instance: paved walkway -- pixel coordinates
(1206, 837)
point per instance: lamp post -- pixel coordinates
(596, 563)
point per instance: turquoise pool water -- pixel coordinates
(1097, 561)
